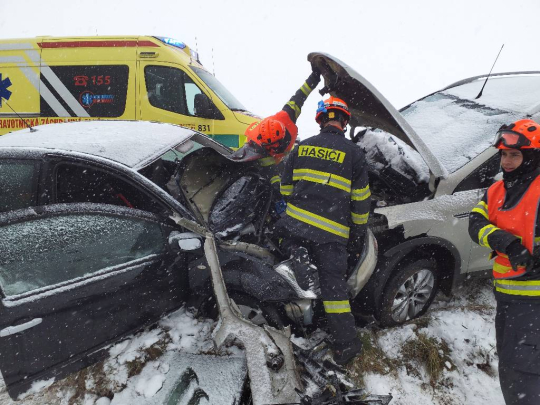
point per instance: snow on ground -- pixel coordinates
(466, 324)
(140, 369)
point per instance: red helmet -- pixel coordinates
(522, 134)
(328, 108)
(271, 134)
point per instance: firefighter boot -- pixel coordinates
(346, 352)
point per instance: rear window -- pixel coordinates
(99, 91)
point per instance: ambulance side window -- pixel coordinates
(171, 89)
(84, 90)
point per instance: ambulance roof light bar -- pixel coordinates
(180, 45)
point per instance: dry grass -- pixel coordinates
(149, 354)
(94, 380)
(76, 384)
(372, 359)
(428, 352)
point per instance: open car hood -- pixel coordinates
(369, 108)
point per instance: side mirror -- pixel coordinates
(185, 241)
(204, 108)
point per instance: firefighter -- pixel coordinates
(270, 140)
(507, 222)
(325, 184)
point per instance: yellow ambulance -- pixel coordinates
(47, 80)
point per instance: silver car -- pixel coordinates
(430, 163)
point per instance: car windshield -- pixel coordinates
(457, 128)
(214, 84)
(161, 171)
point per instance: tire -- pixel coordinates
(408, 293)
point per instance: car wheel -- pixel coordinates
(408, 293)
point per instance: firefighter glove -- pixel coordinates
(519, 255)
(315, 69)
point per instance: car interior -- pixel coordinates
(77, 183)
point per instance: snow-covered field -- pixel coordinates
(446, 358)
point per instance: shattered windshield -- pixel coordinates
(457, 128)
(162, 170)
(214, 84)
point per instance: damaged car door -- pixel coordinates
(74, 278)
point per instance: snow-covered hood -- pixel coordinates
(369, 108)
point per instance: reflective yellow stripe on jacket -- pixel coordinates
(360, 194)
(530, 288)
(295, 108)
(359, 219)
(484, 233)
(306, 89)
(286, 189)
(337, 307)
(317, 176)
(482, 209)
(275, 179)
(267, 161)
(318, 221)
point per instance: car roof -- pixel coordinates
(131, 143)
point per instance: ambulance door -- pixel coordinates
(168, 94)
(19, 86)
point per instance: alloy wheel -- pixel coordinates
(413, 295)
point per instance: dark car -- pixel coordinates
(85, 257)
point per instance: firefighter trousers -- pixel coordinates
(331, 262)
(517, 327)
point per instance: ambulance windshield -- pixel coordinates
(220, 90)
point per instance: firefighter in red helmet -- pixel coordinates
(271, 139)
(507, 222)
(325, 184)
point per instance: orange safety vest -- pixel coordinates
(519, 221)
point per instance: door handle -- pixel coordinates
(11, 330)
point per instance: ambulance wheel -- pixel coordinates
(408, 293)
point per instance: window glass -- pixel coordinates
(100, 90)
(218, 88)
(163, 170)
(482, 177)
(17, 185)
(171, 89)
(76, 184)
(48, 251)
(191, 92)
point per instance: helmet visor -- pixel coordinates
(511, 139)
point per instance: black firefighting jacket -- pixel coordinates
(269, 168)
(325, 184)
(486, 234)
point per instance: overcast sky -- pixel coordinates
(258, 49)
